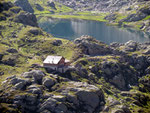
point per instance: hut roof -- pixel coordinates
(52, 59)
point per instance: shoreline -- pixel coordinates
(94, 18)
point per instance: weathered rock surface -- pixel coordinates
(12, 50)
(39, 7)
(26, 19)
(67, 98)
(48, 82)
(130, 46)
(25, 5)
(134, 17)
(88, 44)
(15, 10)
(144, 84)
(111, 17)
(57, 42)
(35, 31)
(5, 6)
(37, 76)
(51, 4)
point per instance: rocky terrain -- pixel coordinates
(96, 5)
(111, 78)
(123, 12)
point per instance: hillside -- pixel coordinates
(125, 13)
(111, 78)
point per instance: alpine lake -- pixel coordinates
(74, 28)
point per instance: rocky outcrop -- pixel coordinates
(130, 46)
(97, 5)
(48, 82)
(37, 92)
(39, 7)
(12, 50)
(25, 5)
(88, 44)
(111, 17)
(26, 19)
(134, 17)
(51, 4)
(57, 42)
(35, 31)
(144, 83)
(15, 10)
(118, 74)
(4, 6)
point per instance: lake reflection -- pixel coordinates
(71, 29)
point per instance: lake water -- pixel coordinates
(71, 29)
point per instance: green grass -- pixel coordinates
(84, 17)
(47, 9)
(147, 18)
(32, 49)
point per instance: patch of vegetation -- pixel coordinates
(84, 17)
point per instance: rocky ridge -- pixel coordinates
(96, 5)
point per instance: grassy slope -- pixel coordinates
(32, 49)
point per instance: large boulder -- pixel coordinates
(130, 46)
(25, 5)
(10, 61)
(17, 83)
(27, 101)
(37, 76)
(91, 46)
(35, 31)
(20, 85)
(34, 89)
(26, 19)
(48, 82)
(49, 104)
(12, 50)
(57, 42)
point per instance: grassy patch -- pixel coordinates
(84, 17)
